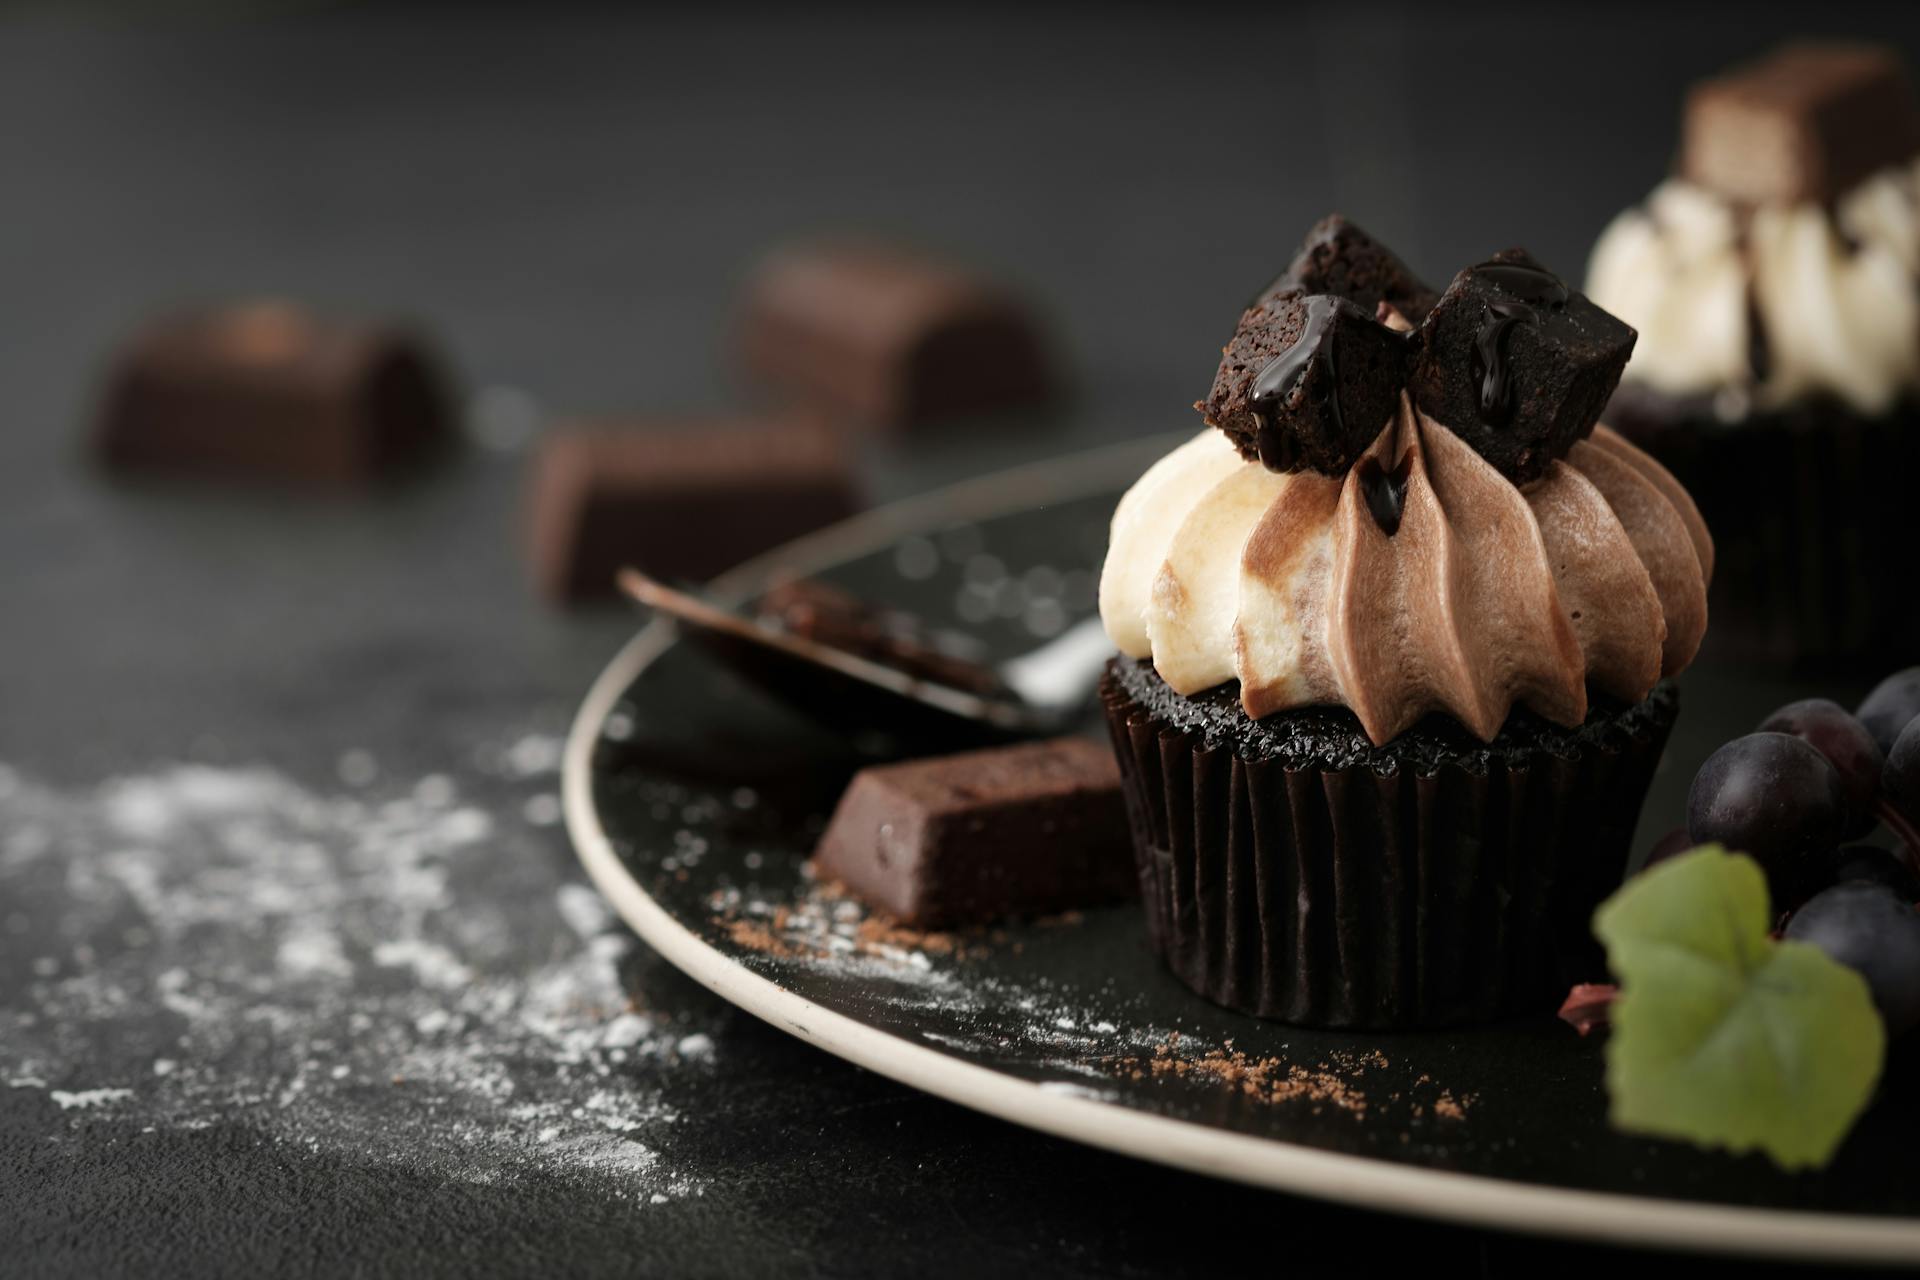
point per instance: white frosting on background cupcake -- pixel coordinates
(1836, 293)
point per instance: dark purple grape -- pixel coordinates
(1872, 930)
(1676, 841)
(1901, 777)
(1891, 706)
(1773, 797)
(1828, 728)
(1870, 864)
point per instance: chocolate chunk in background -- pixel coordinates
(1339, 258)
(271, 391)
(886, 336)
(1307, 382)
(838, 619)
(1517, 363)
(964, 839)
(682, 502)
(1803, 124)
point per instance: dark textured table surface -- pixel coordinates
(296, 972)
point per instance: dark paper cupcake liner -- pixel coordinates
(1347, 896)
(1811, 514)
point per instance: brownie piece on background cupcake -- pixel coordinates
(1392, 687)
(1775, 282)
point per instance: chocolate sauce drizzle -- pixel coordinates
(1759, 350)
(1490, 356)
(1530, 288)
(1386, 491)
(1277, 379)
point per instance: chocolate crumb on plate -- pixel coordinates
(836, 618)
(274, 392)
(889, 336)
(955, 840)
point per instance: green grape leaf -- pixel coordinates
(1722, 1035)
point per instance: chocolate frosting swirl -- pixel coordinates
(1421, 580)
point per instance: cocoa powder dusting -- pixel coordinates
(823, 925)
(827, 922)
(1268, 1080)
(1332, 1081)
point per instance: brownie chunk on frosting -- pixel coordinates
(1312, 372)
(1517, 363)
(1339, 258)
(1511, 358)
(1307, 382)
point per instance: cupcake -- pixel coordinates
(1775, 283)
(1396, 633)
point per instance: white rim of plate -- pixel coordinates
(1361, 1181)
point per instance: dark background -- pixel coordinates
(566, 199)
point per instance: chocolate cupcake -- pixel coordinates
(1775, 282)
(1395, 643)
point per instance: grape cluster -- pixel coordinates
(1794, 794)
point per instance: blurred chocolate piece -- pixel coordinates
(840, 620)
(1803, 124)
(888, 337)
(1308, 382)
(1339, 258)
(679, 503)
(964, 839)
(1516, 363)
(271, 391)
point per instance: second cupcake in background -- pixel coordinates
(1775, 283)
(1395, 632)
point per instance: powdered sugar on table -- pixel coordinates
(285, 952)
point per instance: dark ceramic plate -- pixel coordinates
(694, 801)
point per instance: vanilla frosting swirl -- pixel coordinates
(1485, 595)
(1829, 298)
